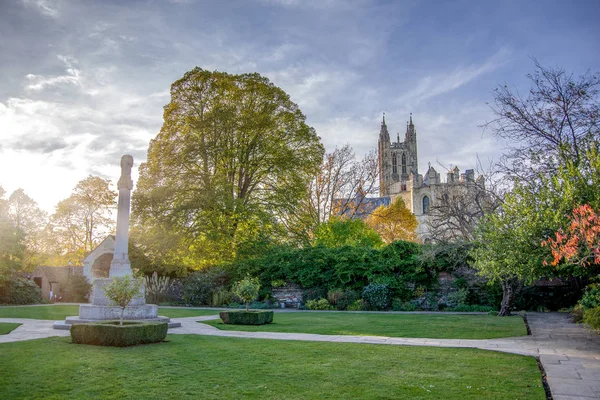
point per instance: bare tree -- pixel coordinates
(459, 206)
(552, 125)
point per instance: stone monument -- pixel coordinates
(100, 308)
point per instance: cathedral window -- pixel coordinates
(425, 205)
(403, 163)
(394, 164)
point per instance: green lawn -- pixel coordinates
(435, 326)
(59, 312)
(7, 327)
(191, 367)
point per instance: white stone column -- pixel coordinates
(120, 265)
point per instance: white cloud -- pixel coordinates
(436, 84)
(46, 7)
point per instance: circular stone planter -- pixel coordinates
(254, 317)
(110, 333)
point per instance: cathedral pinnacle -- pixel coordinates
(411, 119)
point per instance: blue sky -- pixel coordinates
(83, 82)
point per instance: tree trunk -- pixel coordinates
(122, 312)
(508, 291)
(247, 305)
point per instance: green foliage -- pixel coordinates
(117, 334)
(338, 232)
(321, 269)
(198, 288)
(400, 305)
(591, 317)
(17, 290)
(321, 304)
(458, 298)
(222, 298)
(246, 317)
(77, 289)
(470, 308)
(591, 297)
(233, 159)
(121, 290)
(377, 296)
(357, 305)
(341, 299)
(12, 249)
(247, 289)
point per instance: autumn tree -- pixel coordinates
(579, 244)
(83, 219)
(394, 222)
(233, 158)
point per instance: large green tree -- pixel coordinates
(27, 217)
(233, 158)
(12, 247)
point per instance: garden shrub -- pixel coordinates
(577, 314)
(246, 317)
(377, 296)
(321, 304)
(591, 317)
(399, 305)
(458, 298)
(471, 308)
(157, 288)
(358, 305)
(77, 289)
(347, 298)
(221, 298)
(197, 289)
(18, 290)
(591, 297)
(110, 333)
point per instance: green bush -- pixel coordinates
(246, 317)
(347, 298)
(321, 304)
(358, 305)
(458, 298)
(110, 333)
(591, 317)
(577, 314)
(197, 289)
(377, 296)
(247, 289)
(315, 293)
(17, 290)
(399, 305)
(77, 289)
(591, 297)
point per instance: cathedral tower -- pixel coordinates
(397, 160)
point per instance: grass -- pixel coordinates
(7, 327)
(59, 312)
(190, 367)
(392, 325)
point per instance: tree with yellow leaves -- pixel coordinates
(394, 222)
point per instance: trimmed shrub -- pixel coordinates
(377, 295)
(321, 304)
(246, 317)
(19, 290)
(110, 333)
(591, 317)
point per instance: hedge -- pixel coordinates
(110, 333)
(246, 317)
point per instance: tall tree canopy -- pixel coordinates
(233, 158)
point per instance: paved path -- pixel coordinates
(570, 353)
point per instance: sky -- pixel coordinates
(84, 82)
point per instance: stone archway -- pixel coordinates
(101, 266)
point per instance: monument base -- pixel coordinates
(90, 313)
